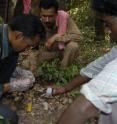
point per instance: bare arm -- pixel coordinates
(77, 81)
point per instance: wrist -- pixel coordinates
(6, 88)
(55, 37)
(67, 89)
(64, 90)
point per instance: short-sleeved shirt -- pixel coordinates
(102, 89)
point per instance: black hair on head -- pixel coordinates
(47, 4)
(29, 25)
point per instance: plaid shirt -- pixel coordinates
(102, 89)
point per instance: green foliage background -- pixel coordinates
(82, 13)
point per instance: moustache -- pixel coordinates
(48, 23)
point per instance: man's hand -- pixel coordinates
(57, 91)
(6, 87)
(49, 42)
(53, 39)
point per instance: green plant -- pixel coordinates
(89, 49)
(49, 72)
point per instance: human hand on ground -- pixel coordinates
(57, 91)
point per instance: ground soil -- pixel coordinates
(44, 110)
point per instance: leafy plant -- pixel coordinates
(89, 49)
(49, 72)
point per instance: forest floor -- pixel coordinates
(43, 111)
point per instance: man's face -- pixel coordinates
(48, 17)
(20, 43)
(111, 26)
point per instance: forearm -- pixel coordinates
(68, 37)
(6, 88)
(77, 81)
(65, 38)
(72, 33)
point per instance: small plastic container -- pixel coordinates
(29, 105)
(49, 92)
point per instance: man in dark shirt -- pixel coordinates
(21, 33)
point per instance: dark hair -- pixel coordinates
(47, 4)
(29, 25)
(108, 7)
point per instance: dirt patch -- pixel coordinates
(44, 110)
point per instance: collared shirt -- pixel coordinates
(102, 89)
(92, 69)
(5, 48)
(8, 58)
